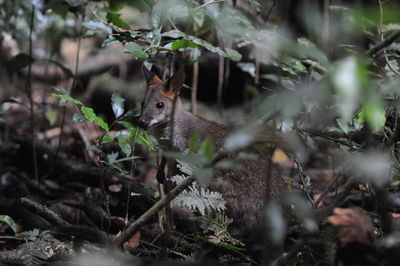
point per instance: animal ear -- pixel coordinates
(175, 83)
(151, 78)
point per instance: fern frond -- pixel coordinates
(186, 168)
(201, 199)
(217, 224)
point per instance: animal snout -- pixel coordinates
(143, 124)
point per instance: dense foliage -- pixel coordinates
(324, 75)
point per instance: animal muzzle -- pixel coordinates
(144, 124)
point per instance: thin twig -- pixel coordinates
(221, 66)
(28, 90)
(302, 177)
(133, 167)
(209, 3)
(194, 87)
(325, 192)
(314, 133)
(257, 72)
(270, 11)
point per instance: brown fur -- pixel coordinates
(244, 191)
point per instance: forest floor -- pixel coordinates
(70, 203)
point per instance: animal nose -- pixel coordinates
(143, 123)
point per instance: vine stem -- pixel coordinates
(28, 90)
(381, 37)
(74, 81)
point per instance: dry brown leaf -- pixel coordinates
(134, 241)
(363, 188)
(279, 156)
(354, 225)
(316, 197)
(395, 215)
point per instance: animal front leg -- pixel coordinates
(161, 170)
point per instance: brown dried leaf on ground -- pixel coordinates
(134, 241)
(354, 225)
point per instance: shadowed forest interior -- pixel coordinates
(199, 132)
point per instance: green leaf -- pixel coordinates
(97, 26)
(127, 125)
(193, 141)
(20, 61)
(374, 114)
(174, 34)
(125, 147)
(95, 149)
(109, 42)
(207, 149)
(229, 165)
(233, 54)
(207, 45)
(51, 116)
(112, 158)
(190, 158)
(133, 34)
(275, 222)
(59, 8)
(301, 206)
(155, 37)
(8, 220)
(61, 90)
(178, 10)
(117, 104)
(240, 139)
(349, 79)
(115, 19)
(116, 5)
(180, 44)
(107, 139)
(204, 175)
(135, 50)
(145, 140)
(67, 98)
(159, 13)
(91, 116)
(194, 55)
(198, 17)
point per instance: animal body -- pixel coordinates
(245, 191)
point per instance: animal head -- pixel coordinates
(159, 99)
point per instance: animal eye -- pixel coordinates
(160, 105)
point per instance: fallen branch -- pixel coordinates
(383, 44)
(125, 235)
(42, 211)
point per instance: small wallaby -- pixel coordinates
(246, 191)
